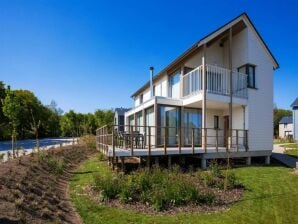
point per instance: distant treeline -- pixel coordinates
(23, 113)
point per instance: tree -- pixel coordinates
(35, 128)
(4, 126)
(12, 110)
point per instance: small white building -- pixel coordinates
(217, 96)
(286, 127)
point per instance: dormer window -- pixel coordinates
(250, 70)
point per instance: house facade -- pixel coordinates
(216, 97)
(286, 127)
(295, 119)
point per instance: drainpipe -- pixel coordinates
(151, 81)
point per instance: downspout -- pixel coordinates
(151, 81)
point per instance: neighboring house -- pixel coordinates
(216, 97)
(119, 118)
(286, 127)
(295, 119)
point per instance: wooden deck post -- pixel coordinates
(131, 140)
(149, 146)
(179, 140)
(237, 140)
(193, 140)
(246, 140)
(156, 161)
(231, 88)
(165, 140)
(113, 147)
(122, 164)
(204, 108)
(116, 162)
(216, 140)
(169, 161)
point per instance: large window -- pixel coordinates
(168, 122)
(192, 121)
(139, 121)
(250, 70)
(174, 85)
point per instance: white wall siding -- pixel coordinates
(260, 100)
(146, 95)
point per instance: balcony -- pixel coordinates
(218, 82)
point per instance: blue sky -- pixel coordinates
(95, 54)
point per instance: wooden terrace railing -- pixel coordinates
(152, 137)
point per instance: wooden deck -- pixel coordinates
(120, 152)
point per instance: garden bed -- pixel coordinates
(167, 190)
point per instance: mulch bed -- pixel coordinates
(224, 199)
(30, 193)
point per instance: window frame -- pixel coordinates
(247, 66)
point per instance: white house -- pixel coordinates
(216, 97)
(286, 127)
(295, 119)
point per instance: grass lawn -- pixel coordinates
(271, 196)
(291, 149)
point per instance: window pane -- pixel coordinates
(174, 86)
(168, 117)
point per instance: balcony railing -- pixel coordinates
(218, 81)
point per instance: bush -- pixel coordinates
(2, 157)
(108, 185)
(162, 188)
(89, 141)
(55, 164)
(102, 157)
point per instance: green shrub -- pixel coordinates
(55, 164)
(207, 198)
(160, 188)
(2, 157)
(232, 181)
(89, 141)
(108, 185)
(102, 157)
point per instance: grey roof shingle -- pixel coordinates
(286, 120)
(295, 103)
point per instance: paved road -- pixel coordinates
(278, 154)
(30, 143)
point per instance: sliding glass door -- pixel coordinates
(168, 122)
(192, 120)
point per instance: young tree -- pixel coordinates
(35, 128)
(12, 110)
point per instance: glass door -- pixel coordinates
(168, 120)
(192, 120)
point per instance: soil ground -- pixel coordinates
(31, 193)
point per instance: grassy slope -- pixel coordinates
(271, 197)
(291, 149)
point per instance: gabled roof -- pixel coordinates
(286, 120)
(121, 110)
(243, 17)
(295, 103)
